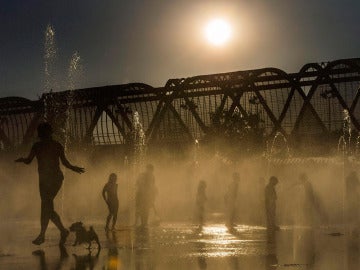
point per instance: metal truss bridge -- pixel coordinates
(298, 105)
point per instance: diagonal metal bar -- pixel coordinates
(344, 105)
(124, 115)
(155, 119)
(95, 119)
(219, 111)
(155, 123)
(285, 108)
(178, 117)
(355, 101)
(270, 113)
(236, 103)
(190, 105)
(116, 122)
(308, 105)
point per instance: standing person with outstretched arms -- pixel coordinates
(48, 152)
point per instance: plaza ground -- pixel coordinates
(182, 246)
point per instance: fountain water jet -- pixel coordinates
(75, 71)
(58, 112)
(357, 145)
(139, 141)
(270, 150)
(279, 136)
(139, 156)
(50, 57)
(344, 143)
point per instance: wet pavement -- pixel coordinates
(182, 246)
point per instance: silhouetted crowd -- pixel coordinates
(49, 153)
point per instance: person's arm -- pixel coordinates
(67, 164)
(29, 158)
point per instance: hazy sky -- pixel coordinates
(151, 41)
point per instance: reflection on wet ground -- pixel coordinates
(182, 246)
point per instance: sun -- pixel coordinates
(218, 32)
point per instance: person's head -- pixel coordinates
(44, 130)
(273, 180)
(150, 168)
(112, 178)
(236, 176)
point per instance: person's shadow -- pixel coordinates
(113, 254)
(87, 261)
(271, 260)
(82, 262)
(353, 253)
(145, 258)
(304, 248)
(201, 250)
(41, 255)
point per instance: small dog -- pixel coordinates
(84, 236)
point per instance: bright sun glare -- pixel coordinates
(218, 32)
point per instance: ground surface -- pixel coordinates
(181, 246)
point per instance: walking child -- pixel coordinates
(48, 152)
(110, 196)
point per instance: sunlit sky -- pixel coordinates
(151, 41)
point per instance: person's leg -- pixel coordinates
(232, 216)
(145, 216)
(142, 214)
(44, 215)
(114, 213)
(108, 218)
(201, 216)
(54, 216)
(270, 222)
(44, 221)
(137, 210)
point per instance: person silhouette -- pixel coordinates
(200, 203)
(312, 206)
(110, 196)
(231, 200)
(270, 204)
(48, 152)
(145, 196)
